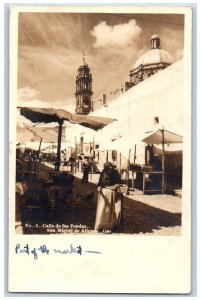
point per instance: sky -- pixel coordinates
(51, 45)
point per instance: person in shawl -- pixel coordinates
(85, 168)
(109, 205)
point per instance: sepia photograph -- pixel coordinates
(100, 125)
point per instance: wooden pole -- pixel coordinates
(74, 163)
(107, 156)
(75, 145)
(39, 157)
(129, 155)
(127, 172)
(93, 144)
(57, 165)
(127, 176)
(134, 154)
(39, 146)
(163, 161)
(132, 179)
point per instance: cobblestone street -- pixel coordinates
(142, 214)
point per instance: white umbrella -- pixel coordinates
(51, 115)
(123, 144)
(162, 136)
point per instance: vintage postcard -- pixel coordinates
(100, 149)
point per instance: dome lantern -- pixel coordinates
(155, 42)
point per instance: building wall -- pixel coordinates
(160, 96)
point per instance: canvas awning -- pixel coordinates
(24, 135)
(48, 115)
(47, 135)
(162, 137)
(30, 133)
(123, 144)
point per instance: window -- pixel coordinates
(86, 101)
(156, 120)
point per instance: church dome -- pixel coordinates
(155, 55)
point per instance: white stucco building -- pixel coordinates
(154, 98)
(154, 102)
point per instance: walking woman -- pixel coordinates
(109, 205)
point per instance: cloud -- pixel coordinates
(116, 36)
(51, 70)
(28, 97)
(27, 93)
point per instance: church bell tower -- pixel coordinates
(83, 89)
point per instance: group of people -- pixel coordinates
(109, 202)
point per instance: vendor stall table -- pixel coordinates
(146, 176)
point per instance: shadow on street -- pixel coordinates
(142, 218)
(79, 215)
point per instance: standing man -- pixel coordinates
(85, 169)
